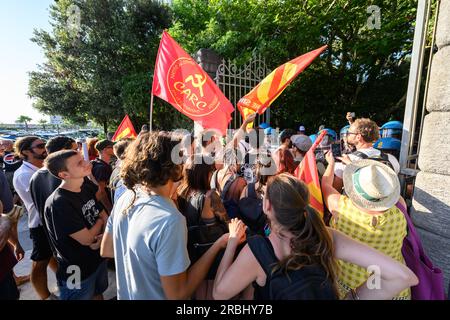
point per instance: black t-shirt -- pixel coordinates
(68, 212)
(42, 185)
(10, 162)
(6, 196)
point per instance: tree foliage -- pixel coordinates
(106, 70)
(24, 119)
(363, 70)
(103, 70)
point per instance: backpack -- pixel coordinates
(383, 158)
(251, 211)
(201, 236)
(307, 283)
(230, 205)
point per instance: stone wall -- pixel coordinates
(431, 203)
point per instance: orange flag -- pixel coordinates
(307, 172)
(262, 96)
(180, 81)
(125, 130)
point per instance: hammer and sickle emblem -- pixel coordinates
(200, 81)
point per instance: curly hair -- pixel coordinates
(367, 128)
(121, 146)
(311, 243)
(148, 161)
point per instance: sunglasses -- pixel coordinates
(39, 146)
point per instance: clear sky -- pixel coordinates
(18, 55)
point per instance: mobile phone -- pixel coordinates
(336, 149)
(320, 155)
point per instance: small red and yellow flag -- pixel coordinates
(262, 96)
(307, 172)
(125, 130)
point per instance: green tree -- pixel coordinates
(24, 119)
(364, 69)
(101, 71)
(106, 70)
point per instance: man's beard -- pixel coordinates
(40, 156)
(350, 147)
(350, 144)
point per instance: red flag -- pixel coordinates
(307, 172)
(125, 130)
(261, 96)
(180, 81)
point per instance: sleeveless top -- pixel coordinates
(262, 293)
(384, 232)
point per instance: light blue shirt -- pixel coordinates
(150, 240)
(120, 190)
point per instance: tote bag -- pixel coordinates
(431, 279)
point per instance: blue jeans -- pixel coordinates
(95, 284)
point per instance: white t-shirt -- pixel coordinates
(21, 182)
(370, 152)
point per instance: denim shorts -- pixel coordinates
(95, 284)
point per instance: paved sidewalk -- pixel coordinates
(24, 267)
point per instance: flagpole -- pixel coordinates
(151, 112)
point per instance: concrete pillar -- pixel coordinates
(209, 60)
(431, 202)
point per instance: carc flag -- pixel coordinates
(180, 81)
(262, 96)
(307, 172)
(125, 130)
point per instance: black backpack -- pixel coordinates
(383, 158)
(307, 283)
(230, 205)
(201, 236)
(251, 211)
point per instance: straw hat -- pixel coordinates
(371, 185)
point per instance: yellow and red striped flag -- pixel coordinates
(262, 96)
(307, 172)
(125, 130)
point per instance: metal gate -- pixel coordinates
(235, 82)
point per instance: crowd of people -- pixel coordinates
(184, 216)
